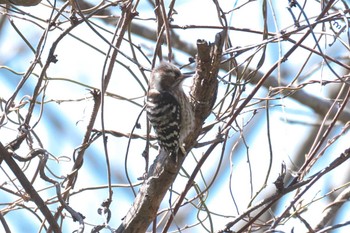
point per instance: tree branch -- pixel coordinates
(34, 196)
(330, 211)
(164, 170)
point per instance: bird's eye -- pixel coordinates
(175, 73)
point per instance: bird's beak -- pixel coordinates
(182, 78)
(187, 75)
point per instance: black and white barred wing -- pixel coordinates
(164, 114)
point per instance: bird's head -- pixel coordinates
(166, 77)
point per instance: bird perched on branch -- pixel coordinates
(168, 108)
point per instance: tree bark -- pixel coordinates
(164, 170)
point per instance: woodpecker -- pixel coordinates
(168, 108)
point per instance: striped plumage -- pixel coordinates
(168, 108)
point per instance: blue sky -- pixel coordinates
(63, 122)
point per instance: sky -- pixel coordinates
(63, 123)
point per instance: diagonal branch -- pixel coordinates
(34, 196)
(164, 170)
(330, 211)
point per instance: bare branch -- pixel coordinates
(164, 170)
(6, 156)
(332, 209)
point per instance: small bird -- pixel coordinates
(168, 108)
